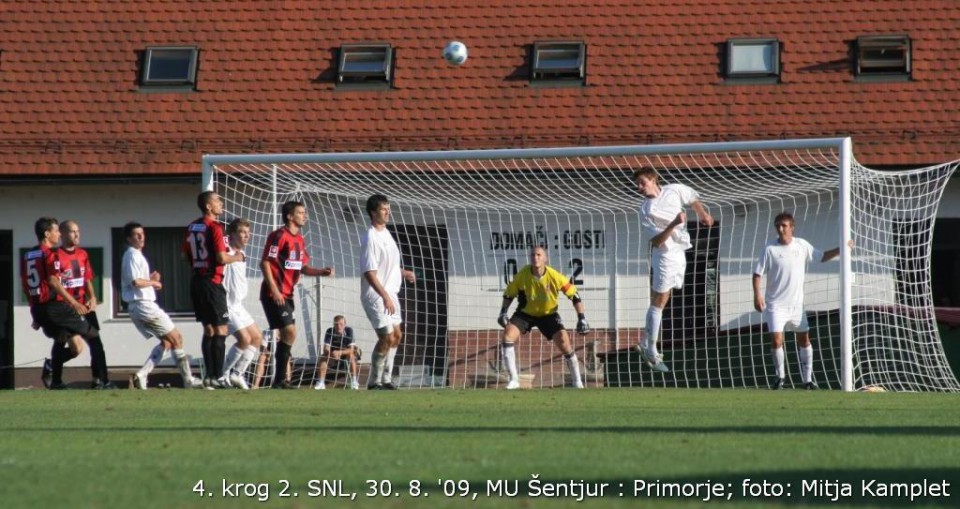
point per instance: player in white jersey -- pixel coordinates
(239, 323)
(138, 288)
(784, 262)
(383, 274)
(663, 218)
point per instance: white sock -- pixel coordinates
(806, 363)
(654, 318)
(573, 364)
(183, 362)
(156, 355)
(246, 358)
(387, 376)
(510, 359)
(376, 368)
(233, 356)
(777, 354)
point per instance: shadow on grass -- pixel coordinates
(946, 431)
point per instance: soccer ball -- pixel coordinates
(455, 53)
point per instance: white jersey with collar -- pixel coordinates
(379, 252)
(785, 266)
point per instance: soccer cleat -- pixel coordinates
(239, 382)
(283, 385)
(138, 382)
(355, 385)
(375, 387)
(46, 374)
(810, 386)
(99, 385)
(654, 361)
(223, 383)
(388, 386)
(320, 386)
(513, 384)
(777, 384)
(194, 383)
(58, 386)
(577, 384)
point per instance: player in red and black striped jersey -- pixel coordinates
(55, 311)
(284, 259)
(205, 246)
(76, 276)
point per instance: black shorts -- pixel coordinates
(57, 319)
(92, 319)
(209, 301)
(548, 325)
(278, 317)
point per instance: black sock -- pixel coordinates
(205, 345)
(219, 350)
(283, 356)
(98, 359)
(58, 356)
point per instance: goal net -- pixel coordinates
(465, 222)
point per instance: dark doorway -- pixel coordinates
(6, 309)
(424, 251)
(693, 312)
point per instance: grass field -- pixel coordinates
(140, 450)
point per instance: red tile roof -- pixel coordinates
(70, 104)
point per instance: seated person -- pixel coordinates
(337, 345)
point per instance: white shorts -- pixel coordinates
(238, 319)
(668, 270)
(149, 319)
(792, 319)
(377, 314)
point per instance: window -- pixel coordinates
(162, 251)
(883, 55)
(558, 63)
(753, 60)
(172, 66)
(365, 64)
(96, 263)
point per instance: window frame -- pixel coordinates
(381, 77)
(575, 74)
(752, 77)
(878, 69)
(188, 82)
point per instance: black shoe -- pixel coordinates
(777, 384)
(810, 386)
(375, 387)
(58, 386)
(283, 385)
(46, 374)
(99, 385)
(388, 386)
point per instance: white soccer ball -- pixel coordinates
(455, 53)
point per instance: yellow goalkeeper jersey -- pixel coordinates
(538, 296)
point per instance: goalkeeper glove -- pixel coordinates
(502, 319)
(582, 326)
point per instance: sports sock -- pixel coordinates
(98, 359)
(387, 375)
(376, 368)
(183, 364)
(156, 355)
(217, 350)
(283, 358)
(806, 363)
(58, 356)
(248, 355)
(654, 318)
(573, 364)
(205, 345)
(510, 359)
(231, 359)
(777, 354)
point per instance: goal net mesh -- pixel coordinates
(465, 224)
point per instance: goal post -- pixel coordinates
(465, 221)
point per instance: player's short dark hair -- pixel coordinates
(338, 318)
(374, 202)
(784, 216)
(236, 224)
(288, 209)
(129, 227)
(43, 225)
(646, 171)
(203, 199)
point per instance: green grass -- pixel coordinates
(144, 450)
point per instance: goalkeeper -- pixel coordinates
(538, 286)
(664, 220)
